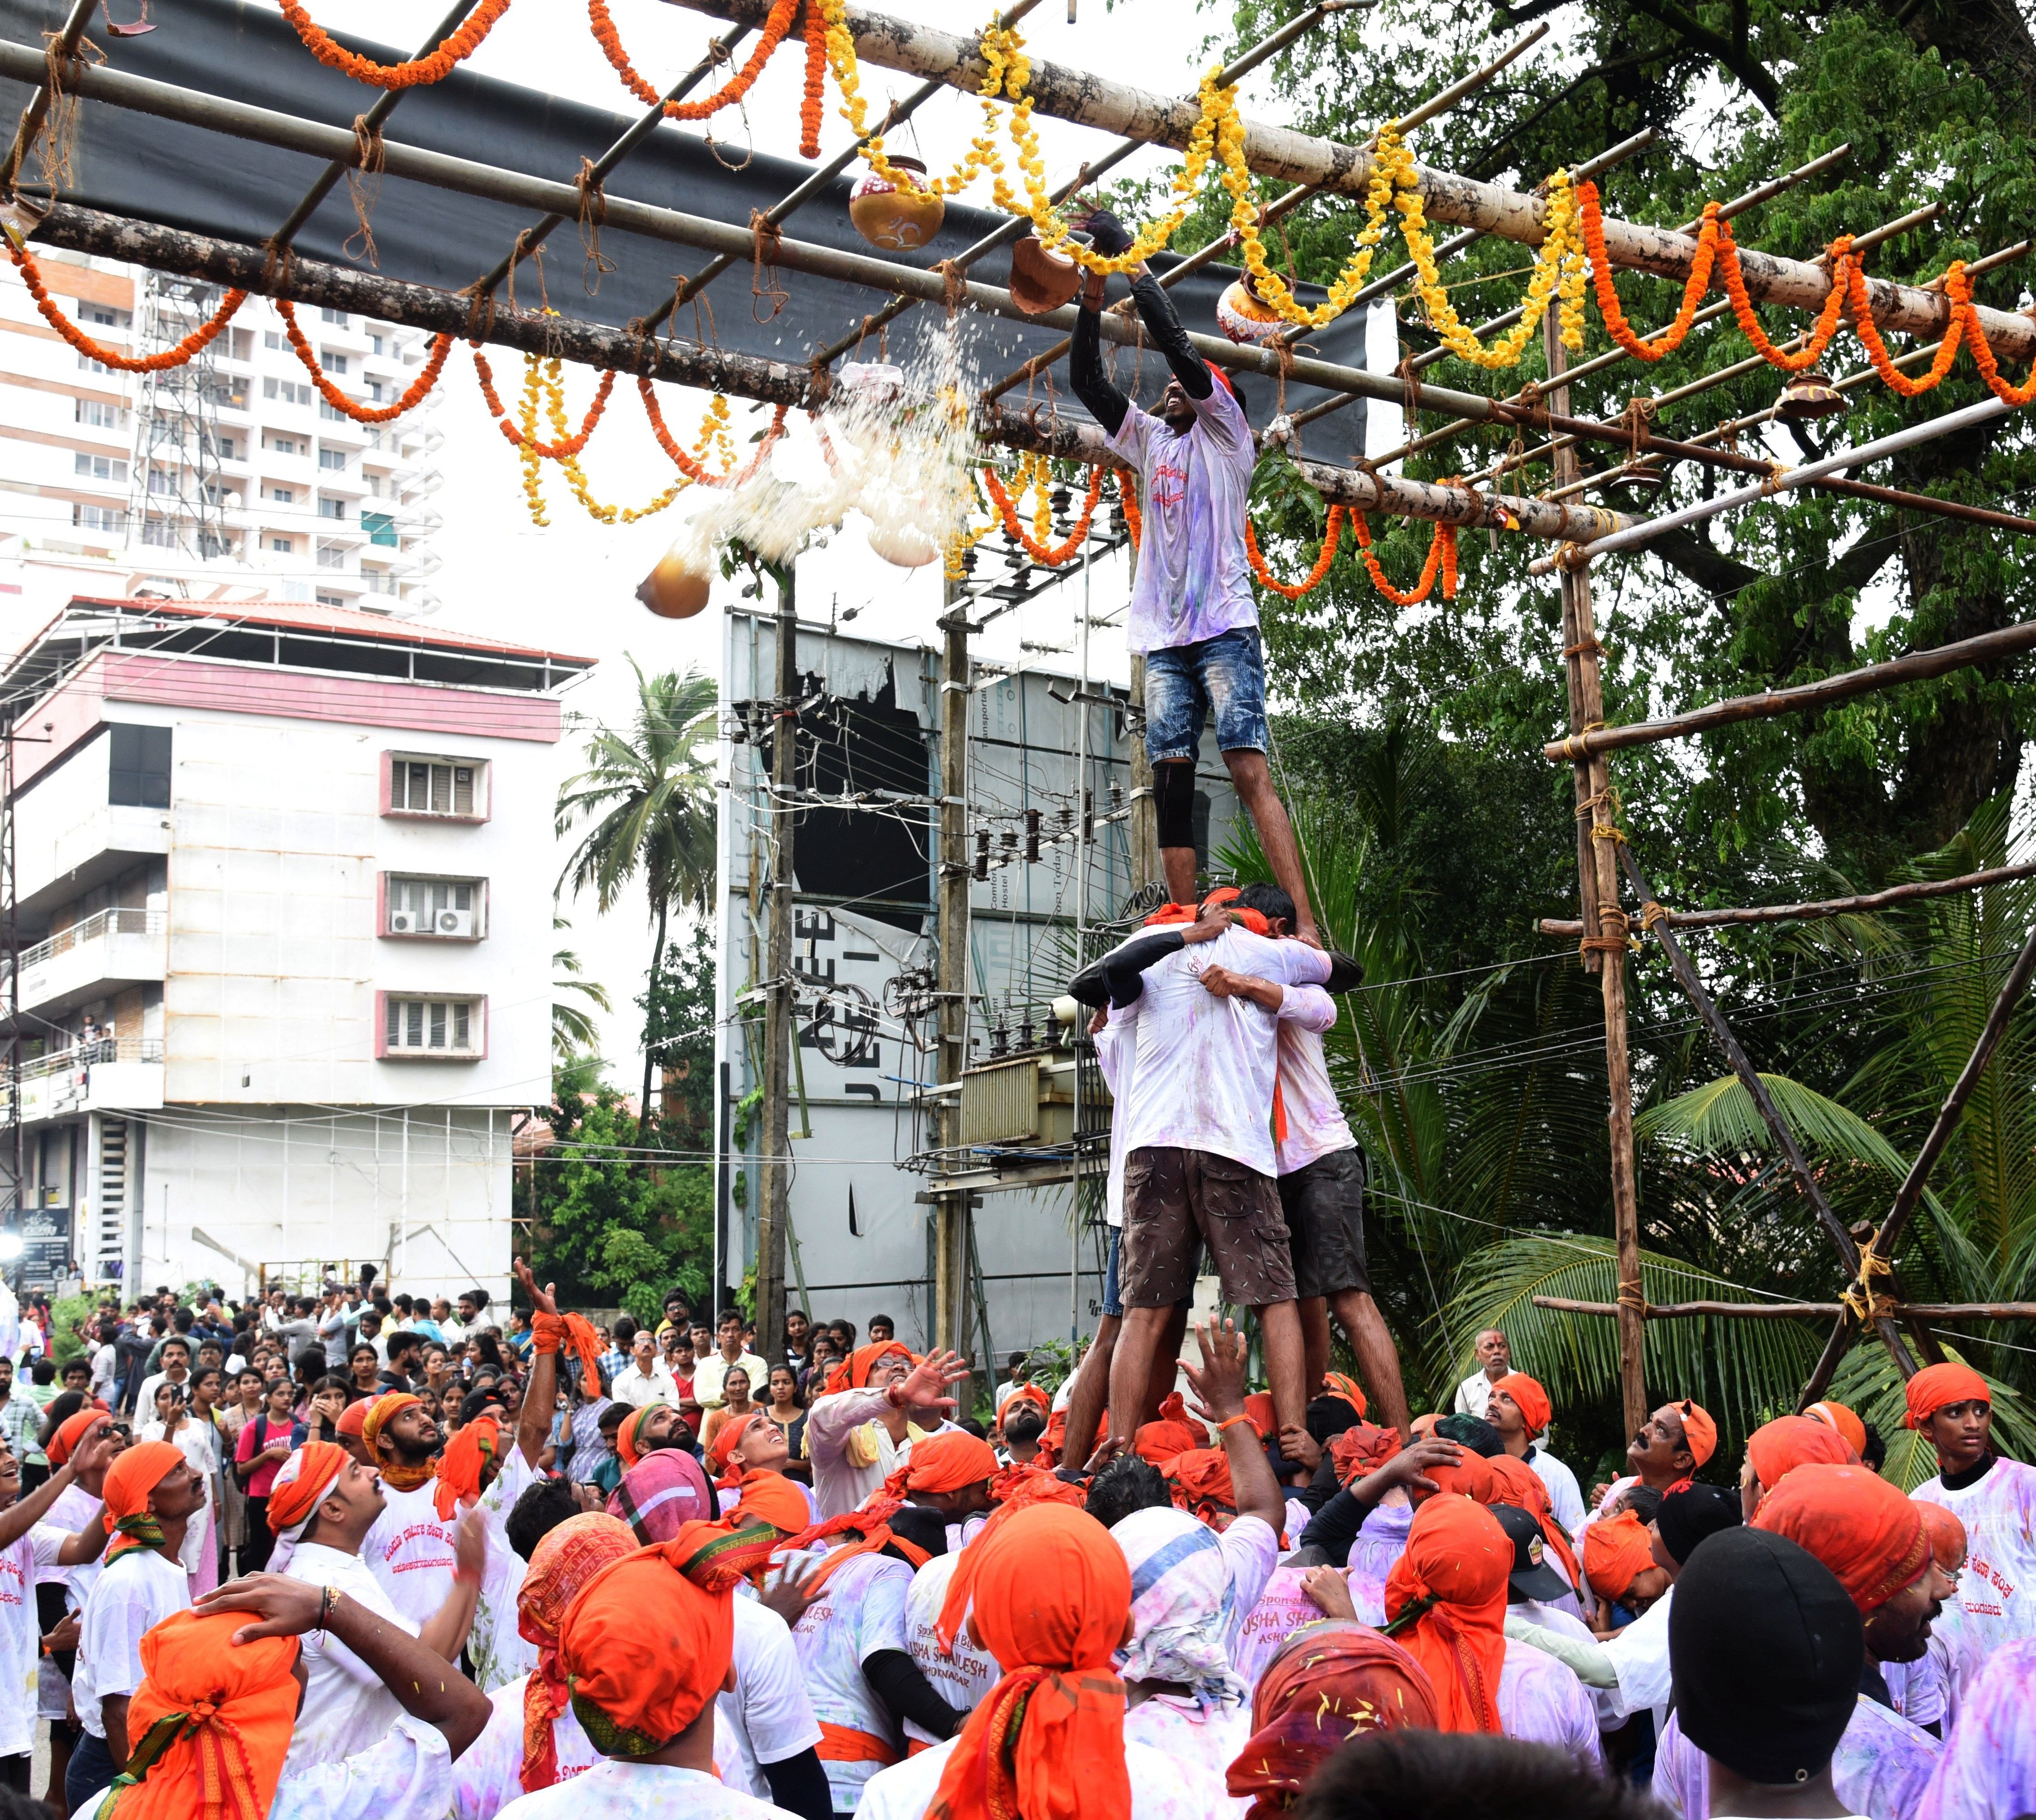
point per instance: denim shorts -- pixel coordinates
(1185, 681)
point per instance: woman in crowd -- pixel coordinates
(736, 1405)
(788, 1413)
(367, 1370)
(265, 1444)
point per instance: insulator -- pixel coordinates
(1031, 837)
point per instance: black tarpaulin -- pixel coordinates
(204, 182)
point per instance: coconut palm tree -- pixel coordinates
(646, 809)
(573, 1028)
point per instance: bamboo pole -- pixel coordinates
(1824, 907)
(742, 376)
(1796, 1310)
(1090, 100)
(1749, 1078)
(63, 50)
(1988, 648)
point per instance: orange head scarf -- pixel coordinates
(631, 1700)
(1615, 1549)
(1935, 1387)
(1836, 1415)
(772, 1498)
(463, 1464)
(562, 1563)
(1020, 1486)
(951, 1460)
(853, 1372)
(1530, 1399)
(70, 1431)
(629, 1438)
(1223, 897)
(1342, 1384)
(1025, 1393)
(1790, 1441)
(1157, 1442)
(1265, 1418)
(1947, 1532)
(1515, 1482)
(1052, 1596)
(1362, 1450)
(1199, 1481)
(1699, 1430)
(1324, 1685)
(132, 1476)
(352, 1419)
(319, 1463)
(1052, 1438)
(210, 1723)
(1857, 1523)
(383, 1411)
(1450, 1581)
(1471, 1475)
(870, 1526)
(573, 1333)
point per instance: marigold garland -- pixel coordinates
(693, 470)
(202, 336)
(1869, 331)
(551, 451)
(1959, 288)
(1441, 560)
(775, 26)
(815, 98)
(1036, 473)
(413, 394)
(1332, 535)
(1826, 324)
(420, 71)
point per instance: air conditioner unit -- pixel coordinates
(455, 922)
(402, 922)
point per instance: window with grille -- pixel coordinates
(450, 909)
(446, 786)
(446, 1027)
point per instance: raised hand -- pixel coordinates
(1218, 1384)
(287, 1608)
(924, 1387)
(541, 1300)
(1409, 1466)
(1328, 1592)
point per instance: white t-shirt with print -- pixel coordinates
(1996, 1600)
(1206, 1065)
(347, 1707)
(963, 1679)
(1201, 1746)
(769, 1715)
(859, 1611)
(616, 1790)
(1159, 1790)
(21, 1563)
(132, 1594)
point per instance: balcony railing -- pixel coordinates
(93, 928)
(86, 1055)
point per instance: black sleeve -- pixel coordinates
(1320, 1489)
(1171, 338)
(897, 1682)
(1334, 1528)
(1105, 403)
(1122, 971)
(799, 1785)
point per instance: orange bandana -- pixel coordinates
(550, 1333)
(319, 1464)
(1530, 1399)
(1947, 1532)
(853, 1372)
(381, 1412)
(1025, 1393)
(1362, 1450)
(132, 1476)
(1342, 1384)
(1019, 1485)
(1471, 1476)
(773, 1499)
(951, 1460)
(1052, 1597)
(561, 1564)
(1936, 1387)
(1836, 1415)
(1515, 1482)
(1790, 1441)
(1616, 1548)
(872, 1531)
(1157, 1442)
(1451, 1578)
(463, 1462)
(71, 1431)
(629, 1438)
(1201, 1483)
(1223, 897)
(1857, 1523)
(210, 1722)
(1699, 1430)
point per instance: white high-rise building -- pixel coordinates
(228, 477)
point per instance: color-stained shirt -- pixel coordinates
(1282, 1609)
(1996, 1601)
(768, 1716)
(347, 1707)
(905, 1791)
(1542, 1701)
(408, 1775)
(1917, 1688)
(962, 1679)
(1117, 1056)
(1194, 580)
(1988, 1769)
(1206, 1065)
(21, 1563)
(1381, 1539)
(859, 1612)
(1201, 1746)
(1880, 1769)
(617, 1790)
(490, 1774)
(1315, 1123)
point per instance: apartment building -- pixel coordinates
(282, 876)
(228, 477)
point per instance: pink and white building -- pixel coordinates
(283, 875)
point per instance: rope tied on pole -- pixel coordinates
(593, 214)
(1652, 912)
(364, 188)
(765, 286)
(1577, 746)
(1616, 932)
(1859, 1296)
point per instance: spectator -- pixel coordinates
(882, 1328)
(20, 1416)
(645, 1379)
(1494, 1360)
(265, 1444)
(616, 1360)
(709, 1371)
(1019, 1369)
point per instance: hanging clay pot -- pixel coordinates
(674, 589)
(1243, 316)
(898, 220)
(1808, 396)
(1042, 279)
(905, 544)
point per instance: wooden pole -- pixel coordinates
(1770, 1115)
(1797, 1311)
(1573, 677)
(1598, 835)
(1989, 648)
(1091, 99)
(1826, 907)
(950, 1211)
(780, 1031)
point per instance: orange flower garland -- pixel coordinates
(199, 337)
(424, 71)
(1332, 535)
(1053, 555)
(684, 462)
(816, 69)
(551, 451)
(1869, 331)
(1826, 324)
(1959, 288)
(412, 396)
(775, 26)
(1660, 346)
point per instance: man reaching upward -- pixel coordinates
(1193, 617)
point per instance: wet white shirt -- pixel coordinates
(408, 1775)
(129, 1597)
(347, 1707)
(963, 1679)
(1996, 1601)
(616, 1790)
(1206, 1065)
(905, 1791)
(1315, 1124)
(859, 1611)
(21, 1564)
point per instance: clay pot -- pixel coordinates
(898, 220)
(1242, 317)
(674, 589)
(1810, 396)
(1041, 278)
(905, 544)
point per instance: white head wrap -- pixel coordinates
(1182, 1601)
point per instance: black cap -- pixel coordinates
(1766, 1648)
(1686, 1517)
(1532, 1576)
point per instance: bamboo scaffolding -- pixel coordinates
(1824, 907)
(1090, 99)
(62, 49)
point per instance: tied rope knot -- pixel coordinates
(1614, 924)
(1577, 746)
(1771, 484)
(364, 187)
(954, 284)
(764, 283)
(1651, 913)
(1582, 645)
(1638, 417)
(1633, 1296)
(593, 218)
(1860, 1295)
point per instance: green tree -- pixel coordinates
(573, 1027)
(678, 1007)
(646, 809)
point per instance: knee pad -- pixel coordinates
(1174, 803)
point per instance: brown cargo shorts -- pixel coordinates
(1175, 1201)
